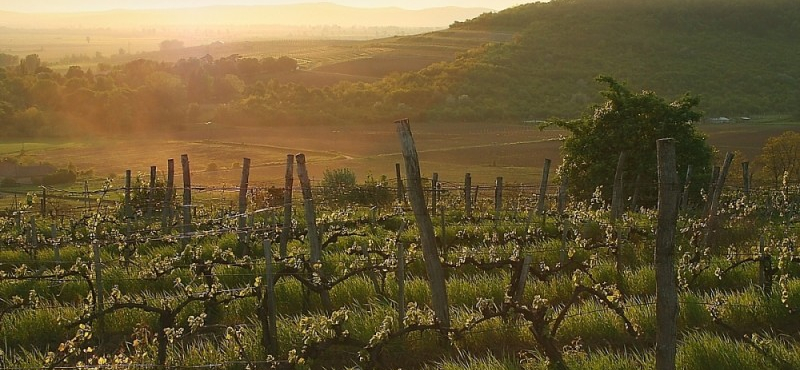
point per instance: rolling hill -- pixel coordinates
(740, 57)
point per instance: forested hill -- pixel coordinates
(740, 56)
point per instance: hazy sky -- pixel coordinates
(94, 5)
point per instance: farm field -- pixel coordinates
(569, 289)
(514, 151)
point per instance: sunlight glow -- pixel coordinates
(53, 6)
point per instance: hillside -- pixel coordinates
(740, 57)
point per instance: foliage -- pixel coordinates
(630, 123)
(339, 187)
(61, 176)
(780, 157)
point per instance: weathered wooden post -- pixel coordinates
(311, 224)
(85, 194)
(166, 209)
(618, 195)
(666, 289)
(711, 224)
(99, 290)
(562, 194)
(187, 197)
(617, 207)
(151, 193)
(286, 227)
(522, 278)
(434, 192)
(540, 206)
(401, 193)
(269, 339)
(400, 275)
(243, 184)
(128, 207)
(498, 195)
(562, 206)
(433, 265)
(44, 202)
(711, 188)
(468, 195)
(56, 247)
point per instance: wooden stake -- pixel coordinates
(540, 206)
(269, 325)
(286, 227)
(468, 195)
(433, 265)
(666, 289)
(243, 184)
(311, 223)
(187, 196)
(711, 224)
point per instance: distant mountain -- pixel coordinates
(299, 14)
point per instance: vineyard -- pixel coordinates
(394, 274)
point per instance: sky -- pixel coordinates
(38, 6)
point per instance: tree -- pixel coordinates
(781, 154)
(631, 123)
(170, 45)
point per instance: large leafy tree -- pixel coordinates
(631, 122)
(781, 157)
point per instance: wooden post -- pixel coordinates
(498, 195)
(286, 227)
(98, 277)
(562, 194)
(243, 184)
(522, 278)
(33, 236)
(54, 236)
(468, 195)
(617, 207)
(151, 193)
(44, 202)
(311, 223)
(433, 265)
(711, 223)
(401, 194)
(166, 209)
(86, 194)
(540, 206)
(711, 189)
(562, 206)
(443, 232)
(617, 198)
(128, 207)
(400, 275)
(746, 178)
(666, 289)
(434, 192)
(187, 196)
(269, 325)
(686, 183)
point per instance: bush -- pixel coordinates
(62, 176)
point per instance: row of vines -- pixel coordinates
(169, 285)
